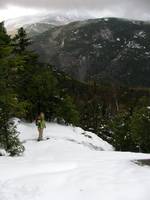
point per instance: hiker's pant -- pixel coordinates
(40, 133)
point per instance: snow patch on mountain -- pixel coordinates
(52, 18)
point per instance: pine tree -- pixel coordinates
(8, 98)
(121, 134)
(92, 114)
(67, 111)
(4, 38)
(20, 41)
(140, 128)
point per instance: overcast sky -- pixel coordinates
(137, 9)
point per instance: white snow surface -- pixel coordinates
(3, 152)
(71, 166)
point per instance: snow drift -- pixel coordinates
(72, 165)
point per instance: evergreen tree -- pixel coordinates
(42, 92)
(8, 98)
(67, 111)
(121, 134)
(20, 41)
(92, 115)
(4, 38)
(140, 128)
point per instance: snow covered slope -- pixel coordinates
(71, 165)
(56, 18)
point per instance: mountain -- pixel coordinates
(105, 50)
(37, 28)
(43, 20)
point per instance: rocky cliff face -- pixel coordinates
(105, 50)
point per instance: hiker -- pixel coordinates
(40, 123)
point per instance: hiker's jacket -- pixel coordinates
(41, 123)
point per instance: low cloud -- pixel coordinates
(123, 8)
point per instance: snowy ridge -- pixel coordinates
(71, 166)
(54, 18)
(65, 134)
